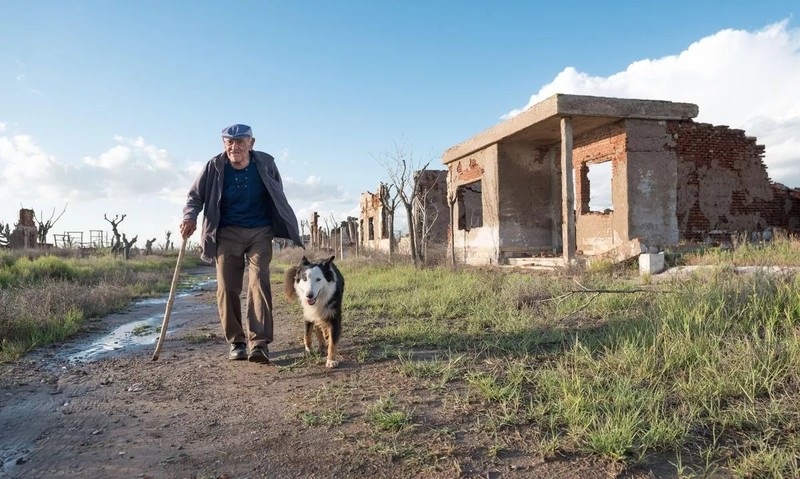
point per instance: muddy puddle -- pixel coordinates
(139, 325)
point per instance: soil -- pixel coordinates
(195, 414)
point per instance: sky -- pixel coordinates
(111, 108)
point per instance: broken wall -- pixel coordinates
(475, 240)
(723, 184)
(25, 231)
(373, 221)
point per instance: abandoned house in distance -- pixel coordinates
(431, 214)
(523, 188)
(374, 220)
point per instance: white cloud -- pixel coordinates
(28, 171)
(2, 126)
(313, 180)
(133, 168)
(130, 177)
(743, 79)
(314, 189)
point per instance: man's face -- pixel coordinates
(238, 149)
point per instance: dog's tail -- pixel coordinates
(288, 283)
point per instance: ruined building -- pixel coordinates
(25, 232)
(374, 227)
(430, 213)
(526, 187)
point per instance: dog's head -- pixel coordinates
(314, 281)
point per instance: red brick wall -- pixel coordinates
(755, 203)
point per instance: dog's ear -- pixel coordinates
(329, 260)
(304, 261)
(289, 278)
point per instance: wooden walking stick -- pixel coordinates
(171, 300)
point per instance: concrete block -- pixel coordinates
(651, 263)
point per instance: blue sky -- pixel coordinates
(111, 107)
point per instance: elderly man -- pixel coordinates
(244, 207)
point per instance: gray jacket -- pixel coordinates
(206, 195)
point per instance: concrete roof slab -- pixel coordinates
(540, 124)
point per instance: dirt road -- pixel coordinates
(194, 414)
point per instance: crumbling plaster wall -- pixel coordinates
(723, 184)
(478, 245)
(526, 206)
(652, 182)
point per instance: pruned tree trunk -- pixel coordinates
(116, 244)
(127, 246)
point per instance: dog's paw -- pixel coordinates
(330, 363)
(308, 353)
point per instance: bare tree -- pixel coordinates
(148, 246)
(331, 226)
(401, 167)
(427, 213)
(167, 244)
(126, 246)
(390, 200)
(303, 225)
(44, 227)
(452, 197)
(352, 232)
(116, 243)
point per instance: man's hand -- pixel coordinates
(187, 228)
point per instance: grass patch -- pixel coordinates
(437, 371)
(46, 298)
(324, 407)
(704, 370)
(142, 330)
(199, 338)
(385, 416)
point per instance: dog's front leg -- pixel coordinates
(307, 337)
(321, 335)
(331, 361)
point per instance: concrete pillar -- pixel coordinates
(555, 194)
(567, 192)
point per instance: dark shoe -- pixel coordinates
(259, 355)
(238, 352)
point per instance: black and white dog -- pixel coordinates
(319, 287)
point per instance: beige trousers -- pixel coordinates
(237, 246)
